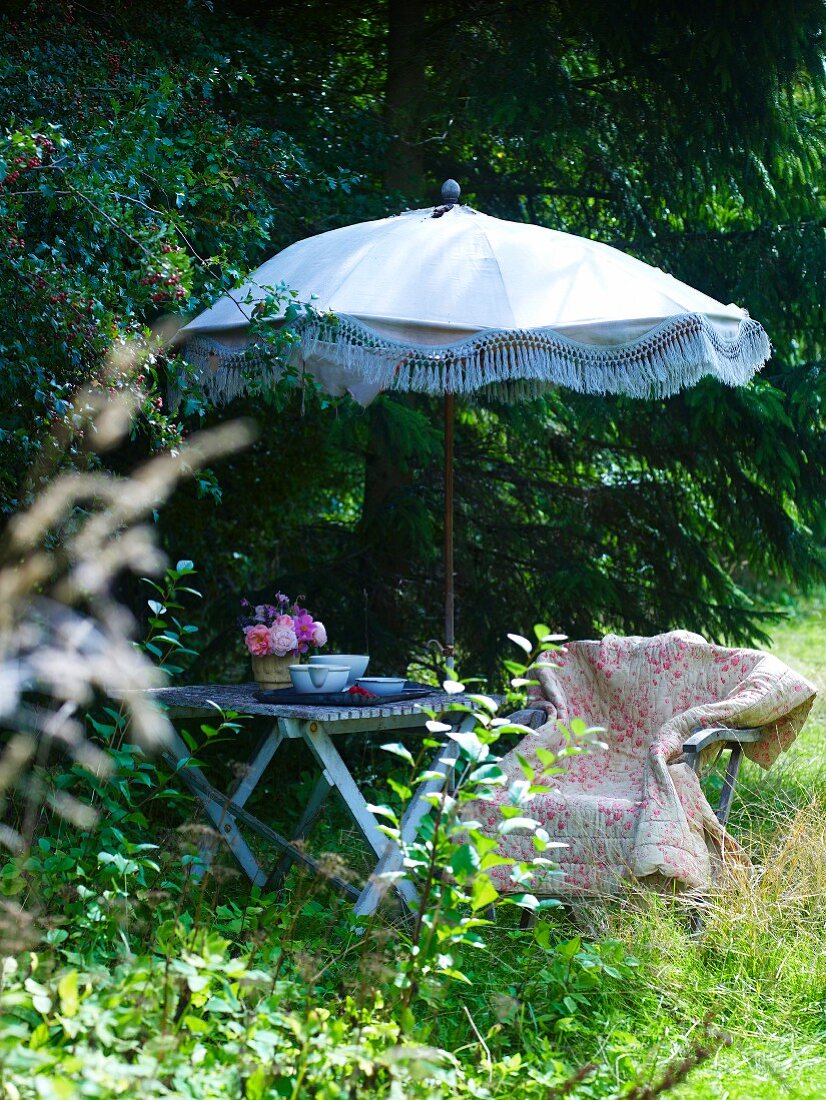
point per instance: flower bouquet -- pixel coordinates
(276, 635)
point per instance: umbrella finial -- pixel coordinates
(450, 192)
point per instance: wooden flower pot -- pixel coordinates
(271, 671)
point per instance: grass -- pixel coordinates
(759, 968)
(763, 963)
(620, 991)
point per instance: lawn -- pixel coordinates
(764, 964)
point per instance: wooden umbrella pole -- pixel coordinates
(450, 636)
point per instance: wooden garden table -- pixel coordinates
(317, 727)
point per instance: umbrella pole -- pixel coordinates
(450, 636)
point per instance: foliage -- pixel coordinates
(65, 637)
(139, 978)
(647, 129)
(449, 859)
(149, 156)
(124, 970)
(128, 187)
(139, 982)
(134, 985)
(139, 180)
(168, 639)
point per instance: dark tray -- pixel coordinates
(291, 697)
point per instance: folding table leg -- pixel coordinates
(391, 860)
(226, 826)
(256, 767)
(325, 752)
(309, 815)
(224, 821)
(327, 755)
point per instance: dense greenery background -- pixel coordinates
(155, 152)
(151, 153)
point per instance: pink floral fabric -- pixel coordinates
(636, 809)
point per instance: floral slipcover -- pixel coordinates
(636, 809)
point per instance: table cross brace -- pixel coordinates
(226, 811)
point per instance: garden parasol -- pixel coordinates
(449, 300)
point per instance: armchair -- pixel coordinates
(636, 810)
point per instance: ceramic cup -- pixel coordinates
(306, 678)
(356, 663)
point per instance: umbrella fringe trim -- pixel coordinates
(517, 364)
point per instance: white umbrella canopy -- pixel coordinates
(451, 301)
(448, 300)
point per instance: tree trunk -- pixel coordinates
(404, 97)
(385, 543)
(388, 481)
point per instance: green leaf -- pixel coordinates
(513, 823)
(67, 991)
(383, 811)
(542, 934)
(470, 744)
(452, 972)
(546, 757)
(493, 859)
(464, 861)
(453, 687)
(39, 1037)
(397, 749)
(257, 1085)
(196, 1025)
(488, 773)
(404, 792)
(483, 893)
(515, 668)
(438, 727)
(570, 948)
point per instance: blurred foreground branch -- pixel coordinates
(65, 639)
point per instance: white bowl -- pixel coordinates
(313, 679)
(382, 685)
(356, 663)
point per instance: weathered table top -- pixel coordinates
(202, 699)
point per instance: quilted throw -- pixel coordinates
(635, 810)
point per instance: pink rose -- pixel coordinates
(284, 620)
(258, 640)
(282, 639)
(320, 634)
